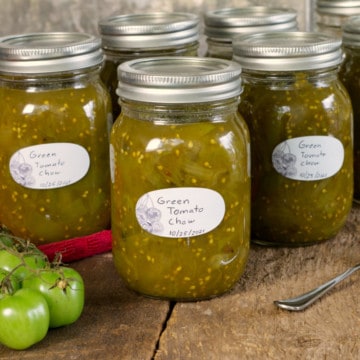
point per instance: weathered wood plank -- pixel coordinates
(115, 324)
(245, 324)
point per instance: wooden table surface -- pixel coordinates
(243, 324)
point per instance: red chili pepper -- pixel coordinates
(80, 247)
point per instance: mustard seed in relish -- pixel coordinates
(300, 120)
(180, 178)
(54, 164)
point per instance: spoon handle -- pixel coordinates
(303, 301)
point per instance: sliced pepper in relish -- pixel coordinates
(287, 211)
(151, 155)
(77, 114)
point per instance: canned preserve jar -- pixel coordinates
(180, 178)
(54, 136)
(223, 24)
(332, 14)
(132, 36)
(350, 76)
(300, 120)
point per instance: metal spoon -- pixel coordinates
(303, 301)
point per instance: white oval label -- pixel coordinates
(49, 166)
(180, 212)
(308, 158)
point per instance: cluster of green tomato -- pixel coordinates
(35, 295)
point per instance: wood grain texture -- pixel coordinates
(115, 324)
(245, 324)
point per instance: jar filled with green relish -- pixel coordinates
(221, 25)
(132, 36)
(350, 76)
(332, 14)
(54, 136)
(300, 120)
(180, 178)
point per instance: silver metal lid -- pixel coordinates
(150, 30)
(229, 22)
(338, 7)
(38, 53)
(287, 51)
(177, 80)
(351, 31)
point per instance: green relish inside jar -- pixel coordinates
(54, 129)
(180, 178)
(300, 120)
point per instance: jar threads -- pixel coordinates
(132, 36)
(222, 25)
(186, 213)
(54, 136)
(300, 120)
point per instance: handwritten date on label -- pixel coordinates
(49, 166)
(308, 158)
(180, 212)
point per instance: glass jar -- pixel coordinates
(332, 14)
(300, 120)
(350, 76)
(180, 178)
(222, 25)
(54, 128)
(132, 36)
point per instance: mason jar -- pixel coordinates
(132, 36)
(54, 127)
(180, 178)
(350, 76)
(221, 25)
(332, 14)
(300, 120)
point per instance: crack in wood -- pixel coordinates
(163, 328)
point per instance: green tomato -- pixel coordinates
(24, 319)
(63, 288)
(21, 263)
